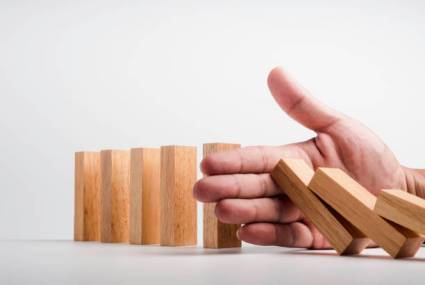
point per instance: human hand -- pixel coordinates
(240, 183)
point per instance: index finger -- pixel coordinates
(254, 159)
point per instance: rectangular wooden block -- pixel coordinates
(215, 233)
(402, 208)
(87, 196)
(115, 195)
(293, 176)
(144, 195)
(356, 204)
(178, 213)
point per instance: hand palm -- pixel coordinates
(352, 147)
(240, 182)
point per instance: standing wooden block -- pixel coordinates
(178, 207)
(356, 204)
(144, 195)
(87, 196)
(216, 234)
(115, 189)
(402, 208)
(293, 176)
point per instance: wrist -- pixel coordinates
(415, 181)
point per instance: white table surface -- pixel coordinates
(68, 262)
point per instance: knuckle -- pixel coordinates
(224, 210)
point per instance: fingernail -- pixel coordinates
(237, 234)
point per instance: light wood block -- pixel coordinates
(217, 234)
(293, 176)
(178, 214)
(115, 195)
(144, 195)
(402, 208)
(87, 196)
(356, 204)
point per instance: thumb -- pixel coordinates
(297, 104)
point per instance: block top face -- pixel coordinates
(144, 148)
(404, 196)
(298, 168)
(223, 144)
(344, 181)
(178, 147)
(86, 152)
(114, 150)
(211, 148)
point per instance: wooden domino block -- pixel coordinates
(144, 195)
(402, 208)
(356, 204)
(115, 195)
(178, 214)
(217, 234)
(293, 176)
(87, 196)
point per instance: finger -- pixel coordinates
(290, 235)
(244, 211)
(297, 104)
(218, 187)
(255, 159)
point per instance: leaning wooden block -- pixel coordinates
(87, 196)
(178, 213)
(356, 204)
(216, 234)
(144, 195)
(293, 176)
(115, 195)
(402, 208)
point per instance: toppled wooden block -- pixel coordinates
(178, 214)
(402, 208)
(217, 234)
(356, 204)
(144, 195)
(87, 196)
(293, 176)
(115, 195)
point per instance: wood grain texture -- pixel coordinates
(293, 177)
(115, 195)
(402, 208)
(178, 213)
(144, 195)
(87, 196)
(217, 234)
(356, 204)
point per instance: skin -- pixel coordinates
(240, 183)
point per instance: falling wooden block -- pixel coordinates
(87, 196)
(144, 195)
(178, 213)
(356, 204)
(217, 234)
(115, 195)
(402, 208)
(293, 176)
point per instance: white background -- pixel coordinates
(87, 75)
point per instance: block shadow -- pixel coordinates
(199, 251)
(362, 256)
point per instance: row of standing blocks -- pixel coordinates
(144, 196)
